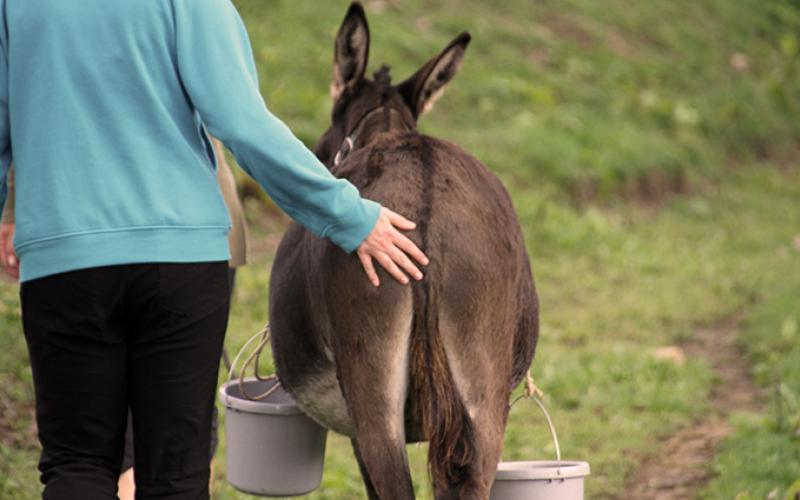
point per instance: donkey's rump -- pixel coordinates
(475, 284)
(465, 224)
(476, 268)
(460, 207)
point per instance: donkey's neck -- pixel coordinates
(378, 120)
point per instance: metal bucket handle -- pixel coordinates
(532, 392)
(253, 357)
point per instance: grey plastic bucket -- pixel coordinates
(539, 480)
(272, 448)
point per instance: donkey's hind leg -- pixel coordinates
(379, 442)
(374, 379)
(371, 493)
(479, 359)
(489, 429)
(484, 442)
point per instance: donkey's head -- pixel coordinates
(364, 108)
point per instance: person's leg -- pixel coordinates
(225, 358)
(174, 355)
(77, 352)
(215, 416)
(126, 487)
(232, 279)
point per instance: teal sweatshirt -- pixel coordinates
(104, 108)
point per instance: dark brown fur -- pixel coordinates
(456, 342)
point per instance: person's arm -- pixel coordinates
(5, 125)
(217, 68)
(216, 65)
(10, 262)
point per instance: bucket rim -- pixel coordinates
(264, 407)
(541, 470)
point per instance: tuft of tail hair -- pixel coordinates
(435, 401)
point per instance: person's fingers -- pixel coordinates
(387, 263)
(404, 262)
(10, 263)
(409, 247)
(399, 221)
(366, 263)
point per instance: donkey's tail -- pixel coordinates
(435, 401)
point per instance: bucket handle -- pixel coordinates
(532, 392)
(253, 357)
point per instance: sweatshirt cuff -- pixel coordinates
(350, 233)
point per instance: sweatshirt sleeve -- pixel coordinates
(5, 125)
(216, 65)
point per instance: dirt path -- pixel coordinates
(681, 470)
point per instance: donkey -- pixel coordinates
(432, 361)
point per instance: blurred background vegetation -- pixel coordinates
(651, 151)
(597, 98)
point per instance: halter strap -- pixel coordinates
(349, 142)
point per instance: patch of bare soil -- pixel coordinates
(682, 469)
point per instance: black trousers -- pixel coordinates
(144, 336)
(127, 455)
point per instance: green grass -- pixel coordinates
(757, 461)
(615, 284)
(598, 98)
(575, 100)
(18, 446)
(764, 455)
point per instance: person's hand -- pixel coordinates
(10, 260)
(391, 249)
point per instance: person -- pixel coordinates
(121, 230)
(237, 242)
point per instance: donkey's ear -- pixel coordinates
(426, 85)
(351, 51)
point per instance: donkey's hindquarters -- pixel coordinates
(435, 361)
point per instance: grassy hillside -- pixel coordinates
(617, 284)
(596, 98)
(580, 101)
